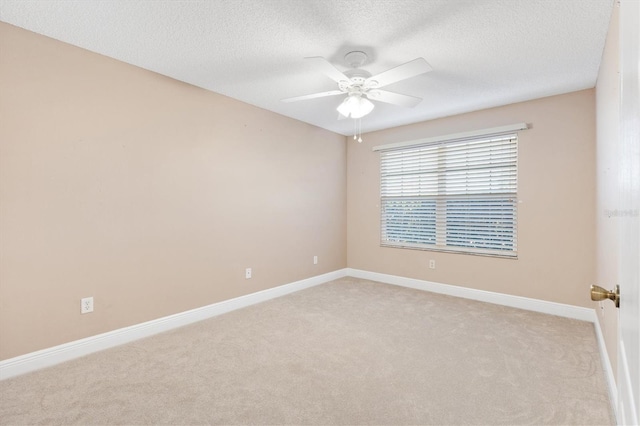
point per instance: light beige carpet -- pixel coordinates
(347, 352)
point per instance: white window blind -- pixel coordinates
(452, 196)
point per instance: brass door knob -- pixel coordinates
(598, 293)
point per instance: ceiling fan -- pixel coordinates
(361, 87)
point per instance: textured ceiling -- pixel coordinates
(484, 53)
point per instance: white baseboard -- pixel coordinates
(47, 357)
(543, 306)
(606, 365)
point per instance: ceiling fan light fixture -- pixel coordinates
(355, 106)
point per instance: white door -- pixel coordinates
(629, 220)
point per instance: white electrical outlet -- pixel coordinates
(315, 260)
(86, 305)
(432, 264)
(247, 273)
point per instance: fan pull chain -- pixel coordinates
(355, 128)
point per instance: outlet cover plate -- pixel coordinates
(86, 305)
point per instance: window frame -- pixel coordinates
(502, 205)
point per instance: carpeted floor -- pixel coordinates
(347, 352)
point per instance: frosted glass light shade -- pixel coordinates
(355, 106)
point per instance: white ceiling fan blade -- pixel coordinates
(313, 96)
(394, 98)
(401, 72)
(329, 70)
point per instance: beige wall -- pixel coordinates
(608, 127)
(556, 219)
(148, 194)
(153, 196)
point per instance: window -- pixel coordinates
(458, 195)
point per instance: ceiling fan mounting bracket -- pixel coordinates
(356, 59)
